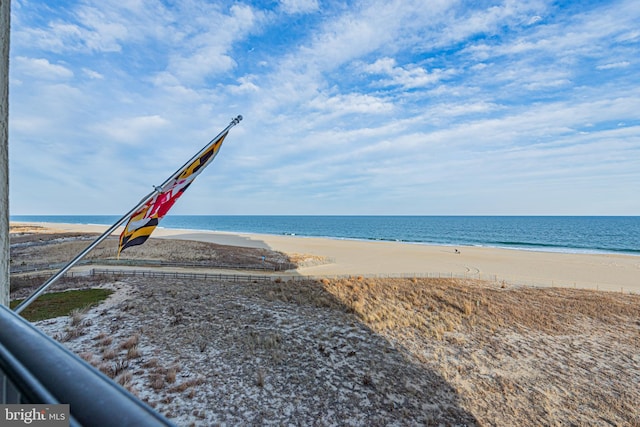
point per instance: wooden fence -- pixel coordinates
(252, 277)
(283, 266)
(292, 277)
(182, 275)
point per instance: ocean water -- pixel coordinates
(575, 234)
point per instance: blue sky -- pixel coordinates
(373, 107)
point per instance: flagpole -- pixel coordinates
(27, 301)
(199, 153)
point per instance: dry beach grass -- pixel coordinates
(363, 351)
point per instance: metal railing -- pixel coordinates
(36, 369)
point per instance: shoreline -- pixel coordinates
(612, 272)
(533, 248)
(516, 242)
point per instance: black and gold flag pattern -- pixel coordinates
(142, 222)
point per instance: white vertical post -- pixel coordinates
(5, 12)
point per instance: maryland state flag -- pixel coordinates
(143, 221)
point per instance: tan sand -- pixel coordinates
(350, 257)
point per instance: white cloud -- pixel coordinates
(462, 109)
(104, 26)
(101, 33)
(406, 77)
(612, 65)
(206, 52)
(132, 130)
(534, 20)
(299, 6)
(463, 23)
(92, 74)
(41, 68)
(245, 84)
(350, 103)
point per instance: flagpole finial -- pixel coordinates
(236, 120)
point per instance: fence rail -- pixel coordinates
(257, 277)
(180, 275)
(266, 278)
(282, 266)
(296, 277)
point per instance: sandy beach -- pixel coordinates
(350, 257)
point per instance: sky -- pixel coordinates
(393, 107)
